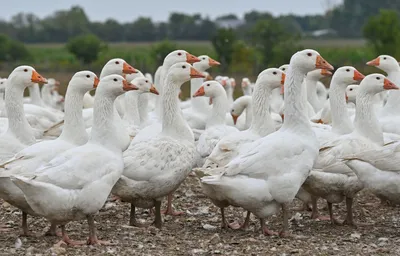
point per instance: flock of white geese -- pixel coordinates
(284, 139)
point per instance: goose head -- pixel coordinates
(351, 93)
(179, 56)
(347, 75)
(384, 62)
(205, 63)
(238, 106)
(271, 78)
(3, 85)
(24, 76)
(114, 85)
(245, 82)
(130, 77)
(376, 83)
(232, 82)
(309, 60)
(210, 89)
(144, 85)
(317, 74)
(182, 72)
(117, 66)
(284, 67)
(84, 81)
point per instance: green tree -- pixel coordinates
(86, 48)
(383, 33)
(160, 50)
(12, 50)
(267, 36)
(223, 43)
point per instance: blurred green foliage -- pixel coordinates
(86, 47)
(383, 33)
(12, 50)
(223, 42)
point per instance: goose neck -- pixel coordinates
(219, 110)
(365, 122)
(34, 94)
(74, 129)
(312, 96)
(173, 123)
(392, 106)
(104, 130)
(341, 122)
(17, 123)
(143, 108)
(262, 122)
(131, 113)
(296, 119)
(199, 104)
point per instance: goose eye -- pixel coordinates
(283, 69)
(351, 89)
(232, 110)
(347, 70)
(208, 84)
(309, 54)
(25, 70)
(274, 73)
(179, 53)
(115, 79)
(384, 58)
(117, 62)
(183, 66)
(378, 78)
(147, 81)
(88, 76)
(204, 58)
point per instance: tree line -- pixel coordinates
(347, 19)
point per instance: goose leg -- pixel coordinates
(333, 220)
(285, 212)
(315, 214)
(349, 217)
(170, 210)
(158, 219)
(224, 224)
(52, 231)
(132, 219)
(265, 230)
(66, 240)
(25, 230)
(93, 240)
(237, 225)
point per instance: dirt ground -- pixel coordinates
(198, 231)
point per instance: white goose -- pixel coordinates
(331, 179)
(389, 117)
(241, 110)
(59, 190)
(215, 127)
(312, 80)
(19, 133)
(269, 173)
(166, 159)
(247, 87)
(230, 146)
(29, 159)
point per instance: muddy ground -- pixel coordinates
(198, 232)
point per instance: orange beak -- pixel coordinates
(282, 89)
(388, 85)
(195, 74)
(358, 76)
(319, 121)
(199, 92)
(212, 62)
(235, 118)
(374, 62)
(96, 82)
(191, 58)
(128, 86)
(37, 78)
(322, 64)
(347, 98)
(154, 90)
(223, 82)
(326, 72)
(283, 116)
(283, 81)
(233, 83)
(128, 69)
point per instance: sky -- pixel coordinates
(158, 10)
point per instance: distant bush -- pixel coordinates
(11, 50)
(86, 48)
(224, 44)
(160, 50)
(383, 33)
